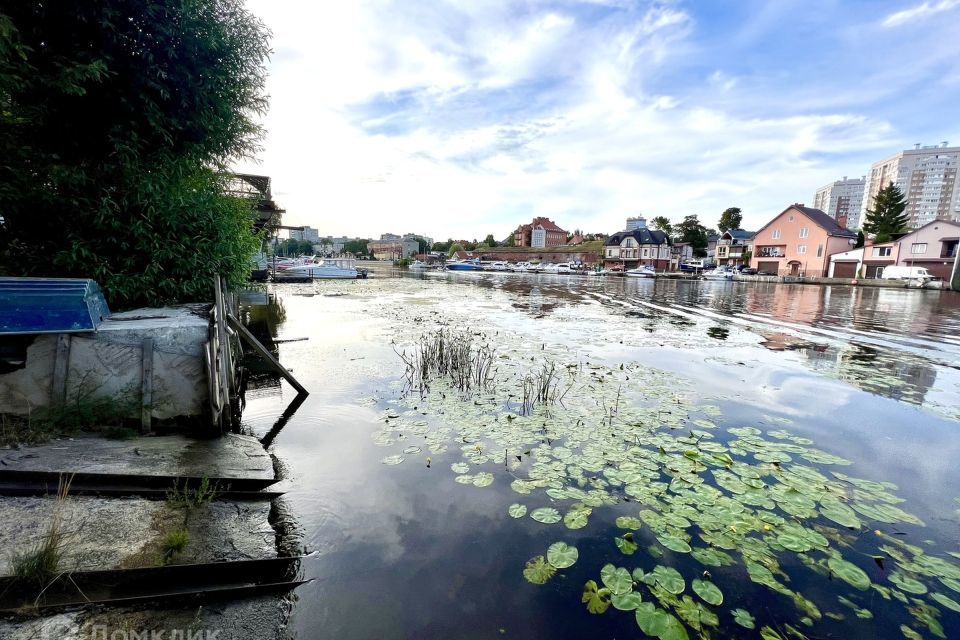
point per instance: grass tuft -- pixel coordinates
(41, 565)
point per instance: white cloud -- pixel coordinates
(919, 11)
(464, 119)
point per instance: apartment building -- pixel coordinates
(927, 175)
(842, 200)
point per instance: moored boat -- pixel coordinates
(328, 268)
(643, 271)
(465, 265)
(720, 273)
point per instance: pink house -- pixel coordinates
(799, 242)
(932, 246)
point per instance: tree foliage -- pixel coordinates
(662, 223)
(887, 216)
(293, 247)
(731, 218)
(690, 230)
(357, 247)
(454, 248)
(116, 120)
(489, 241)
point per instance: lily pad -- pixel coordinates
(627, 601)
(906, 583)
(538, 570)
(597, 600)
(392, 460)
(561, 555)
(743, 618)
(460, 467)
(627, 547)
(617, 579)
(483, 479)
(708, 592)
(546, 515)
(849, 573)
(577, 517)
(666, 577)
(517, 510)
(949, 603)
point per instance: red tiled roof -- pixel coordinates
(547, 224)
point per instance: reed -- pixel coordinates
(452, 355)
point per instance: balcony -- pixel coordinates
(770, 252)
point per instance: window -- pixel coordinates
(881, 252)
(819, 250)
(804, 232)
(918, 247)
(801, 249)
(776, 234)
(645, 252)
(949, 249)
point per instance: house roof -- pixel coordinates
(547, 224)
(953, 224)
(642, 236)
(817, 217)
(738, 234)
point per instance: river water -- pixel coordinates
(403, 494)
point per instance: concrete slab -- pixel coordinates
(230, 456)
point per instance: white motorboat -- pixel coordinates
(521, 267)
(419, 264)
(643, 271)
(564, 267)
(498, 266)
(720, 273)
(328, 268)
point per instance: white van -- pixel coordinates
(906, 273)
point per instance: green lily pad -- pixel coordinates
(766, 633)
(538, 570)
(626, 601)
(743, 618)
(667, 577)
(391, 460)
(849, 573)
(949, 603)
(674, 543)
(597, 600)
(517, 510)
(906, 583)
(654, 621)
(629, 522)
(577, 517)
(483, 479)
(909, 633)
(708, 592)
(561, 555)
(627, 547)
(841, 514)
(617, 579)
(460, 467)
(546, 515)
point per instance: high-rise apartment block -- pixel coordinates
(927, 175)
(842, 201)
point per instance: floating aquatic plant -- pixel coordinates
(538, 570)
(747, 498)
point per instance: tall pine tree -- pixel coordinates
(887, 216)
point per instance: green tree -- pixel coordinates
(489, 241)
(117, 120)
(662, 223)
(690, 230)
(454, 248)
(443, 246)
(860, 239)
(730, 219)
(887, 216)
(357, 247)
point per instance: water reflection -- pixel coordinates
(405, 552)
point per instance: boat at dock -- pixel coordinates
(465, 265)
(327, 269)
(644, 271)
(720, 273)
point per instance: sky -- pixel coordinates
(456, 119)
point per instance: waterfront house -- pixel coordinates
(639, 246)
(799, 241)
(542, 232)
(877, 256)
(932, 246)
(680, 252)
(732, 246)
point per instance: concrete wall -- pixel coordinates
(108, 364)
